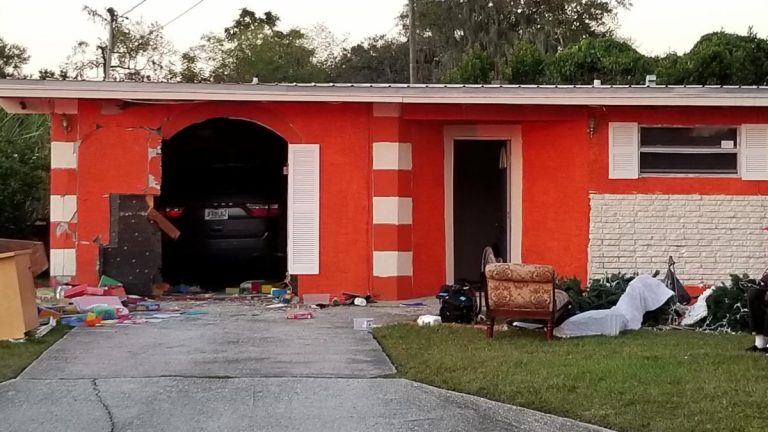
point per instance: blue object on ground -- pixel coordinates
(193, 312)
(74, 320)
(150, 306)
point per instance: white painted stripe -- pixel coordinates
(392, 156)
(387, 264)
(392, 210)
(63, 154)
(63, 262)
(387, 109)
(65, 106)
(63, 208)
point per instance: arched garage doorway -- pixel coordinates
(224, 187)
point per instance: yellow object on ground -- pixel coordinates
(18, 308)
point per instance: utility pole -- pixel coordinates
(110, 43)
(411, 43)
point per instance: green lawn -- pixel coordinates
(639, 381)
(15, 357)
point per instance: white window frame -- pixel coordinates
(681, 150)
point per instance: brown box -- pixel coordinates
(38, 257)
(18, 308)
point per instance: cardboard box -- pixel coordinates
(18, 309)
(38, 259)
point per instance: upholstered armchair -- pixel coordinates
(523, 291)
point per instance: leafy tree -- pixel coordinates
(23, 171)
(81, 63)
(670, 69)
(722, 58)
(606, 59)
(376, 60)
(447, 29)
(327, 46)
(140, 52)
(524, 64)
(475, 67)
(253, 47)
(12, 58)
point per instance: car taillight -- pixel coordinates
(257, 210)
(262, 210)
(173, 212)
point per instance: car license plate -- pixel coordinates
(216, 214)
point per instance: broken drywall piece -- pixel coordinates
(163, 223)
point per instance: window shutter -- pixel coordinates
(754, 152)
(623, 153)
(304, 209)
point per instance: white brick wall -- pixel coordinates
(709, 236)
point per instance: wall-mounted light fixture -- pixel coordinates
(66, 124)
(591, 126)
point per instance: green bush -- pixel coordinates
(602, 293)
(24, 163)
(605, 292)
(727, 306)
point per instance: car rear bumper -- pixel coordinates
(228, 248)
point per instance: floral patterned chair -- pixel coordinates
(523, 291)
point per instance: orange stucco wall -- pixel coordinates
(599, 181)
(114, 158)
(428, 208)
(561, 166)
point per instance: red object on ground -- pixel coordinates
(76, 291)
(92, 291)
(255, 287)
(116, 292)
(299, 315)
(696, 290)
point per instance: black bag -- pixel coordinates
(674, 284)
(763, 282)
(457, 304)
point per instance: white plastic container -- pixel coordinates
(363, 323)
(429, 321)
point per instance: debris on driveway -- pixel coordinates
(362, 323)
(83, 305)
(429, 320)
(299, 315)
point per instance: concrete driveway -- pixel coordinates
(242, 368)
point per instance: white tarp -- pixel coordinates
(698, 311)
(643, 294)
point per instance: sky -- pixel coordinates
(50, 28)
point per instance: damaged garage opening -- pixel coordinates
(225, 188)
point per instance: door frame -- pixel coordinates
(512, 135)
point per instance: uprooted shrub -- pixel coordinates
(602, 293)
(605, 292)
(727, 306)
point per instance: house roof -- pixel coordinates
(393, 93)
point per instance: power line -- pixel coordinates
(134, 7)
(182, 14)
